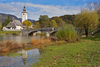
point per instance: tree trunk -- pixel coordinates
(86, 32)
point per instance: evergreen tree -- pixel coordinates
(6, 22)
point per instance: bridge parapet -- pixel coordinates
(25, 32)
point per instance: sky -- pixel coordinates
(35, 8)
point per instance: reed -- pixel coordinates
(40, 42)
(9, 46)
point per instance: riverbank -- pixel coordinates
(7, 33)
(84, 53)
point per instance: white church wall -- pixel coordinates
(6, 29)
(19, 27)
(24, 17)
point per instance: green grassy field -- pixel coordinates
(85, 53)
(8, 32)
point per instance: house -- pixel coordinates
(15, 25)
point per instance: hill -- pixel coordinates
(28, 20)
(3, 17)
(67, 18)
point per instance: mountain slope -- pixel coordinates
(3, 17)
(28, 20)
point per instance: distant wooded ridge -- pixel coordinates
(3, 17)
(66, 18)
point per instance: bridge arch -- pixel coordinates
(30, 32)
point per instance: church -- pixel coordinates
(16, 25)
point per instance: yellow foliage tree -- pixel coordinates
(87, 20)
(53, 23)
(27, 23)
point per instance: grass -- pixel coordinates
(9, 32)
(85, 53)
(94, 38)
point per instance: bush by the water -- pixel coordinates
(40, 42)
(9, 46)
(67, 33)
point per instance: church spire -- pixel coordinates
(24, 10)
(24, 14)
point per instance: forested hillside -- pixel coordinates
(66, 18)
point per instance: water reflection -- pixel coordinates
(25, 59)
(18, 39)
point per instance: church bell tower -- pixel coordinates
(24, 14)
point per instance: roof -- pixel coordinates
(17, 22)
(14, 23)
(11, 24)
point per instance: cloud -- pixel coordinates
(35, 10)
(7, 8)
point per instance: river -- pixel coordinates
(22, 58)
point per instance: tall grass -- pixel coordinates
(40, 42)
(9, 46)
(67, 33)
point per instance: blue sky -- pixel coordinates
(35, 8)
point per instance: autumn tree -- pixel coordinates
(53, 23)
(87, 20)
(59, 21)
(27, 23)
(36, 25)
(44, 21)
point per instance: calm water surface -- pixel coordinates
(22, 58)
(19, 39)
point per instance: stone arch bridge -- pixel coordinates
(48, 31)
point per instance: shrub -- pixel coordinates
(40, 42)
(67, 33)
(9, 46)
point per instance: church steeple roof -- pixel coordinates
(24, 10)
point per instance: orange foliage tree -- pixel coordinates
(27, 23)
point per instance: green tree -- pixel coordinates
(6, 21)
(36, 25)
(87, 20)
(27, 23)
(44, 21)
(53, 23)
(59, 21)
